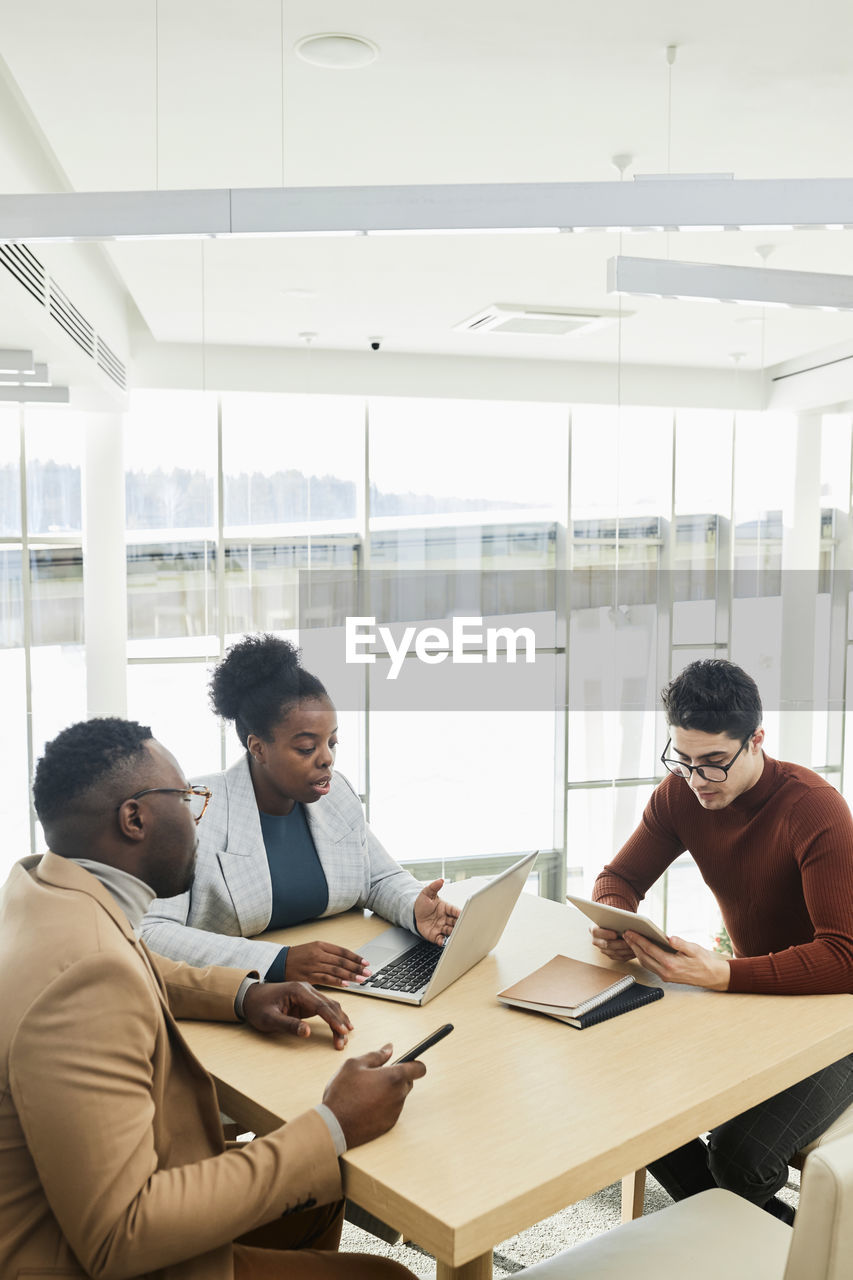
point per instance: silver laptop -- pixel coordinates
(408, 968)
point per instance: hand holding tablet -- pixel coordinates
(618, 920)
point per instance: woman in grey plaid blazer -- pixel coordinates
(250, 870)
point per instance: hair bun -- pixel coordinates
(257, 680)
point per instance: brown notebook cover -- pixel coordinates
(565, 986)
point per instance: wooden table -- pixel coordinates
(520, 1115)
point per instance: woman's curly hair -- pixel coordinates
(257, 682)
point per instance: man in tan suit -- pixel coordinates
(112, 1157)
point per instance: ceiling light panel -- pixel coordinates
(717, 282)
(35, 395)
(39, 376)
(13, 360)
(685, 204)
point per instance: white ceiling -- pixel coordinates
(183, 93)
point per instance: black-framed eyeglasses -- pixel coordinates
(710, 772)
(196, 797)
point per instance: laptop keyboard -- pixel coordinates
(410, 971)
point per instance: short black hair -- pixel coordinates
(81, 756)
(713, 696)
(257, 682)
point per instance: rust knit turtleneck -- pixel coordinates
(779, 861)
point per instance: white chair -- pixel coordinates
(634, 1184)
(718, 1234)
(838, 1129)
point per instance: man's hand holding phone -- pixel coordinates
(427, 1043)
(367, 1095)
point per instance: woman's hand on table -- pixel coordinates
(434, 917)
(325, 963)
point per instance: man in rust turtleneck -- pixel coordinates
(774, 843)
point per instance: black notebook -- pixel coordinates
(623, 1002)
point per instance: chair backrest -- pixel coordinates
(822, 1240)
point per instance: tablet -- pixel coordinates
(618, 920)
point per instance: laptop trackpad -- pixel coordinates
(387, 946)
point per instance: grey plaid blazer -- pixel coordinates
(231, 895)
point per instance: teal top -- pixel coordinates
(299, 888)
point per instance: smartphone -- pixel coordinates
(422, 1045)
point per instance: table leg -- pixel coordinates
(633, 1189)
(477, 1269)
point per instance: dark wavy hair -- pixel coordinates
(713, 696)
(257, 683)
(83, 755)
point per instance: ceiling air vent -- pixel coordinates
(111, 365)
(23, 264)
(26, 268)
(517, 318)
(75, 324)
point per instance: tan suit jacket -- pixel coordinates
(112, 1160)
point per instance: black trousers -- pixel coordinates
(750, 1154)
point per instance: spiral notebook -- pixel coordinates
(578, 993)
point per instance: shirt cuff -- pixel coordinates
(337, 1133)
(241, 995)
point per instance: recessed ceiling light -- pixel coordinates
(337, 50)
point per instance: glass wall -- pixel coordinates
(171, 453)
(625, 542)
(42, 653)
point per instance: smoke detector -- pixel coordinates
(519, 318)
(337, 49)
